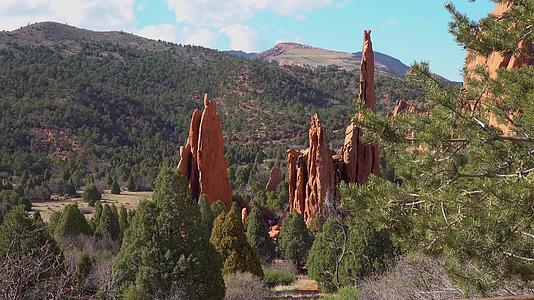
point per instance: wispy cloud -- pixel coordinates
(343, 3)
(389, 23)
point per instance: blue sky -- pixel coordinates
(411, 30)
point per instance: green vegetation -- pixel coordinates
(343, 254)
(228, 238)
(108, 225)
(206, 213)
(273, 277)
(258, 237)
(166, 250)
(91, 194)
(295, 239)
(72, 223)
(115, 188)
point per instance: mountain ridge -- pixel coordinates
(290, 53)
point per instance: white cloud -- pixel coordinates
(343, 3)
(241, 37)
(94, 14)
(186, 35)
(220, 13)
(165, 32)
(200, 37)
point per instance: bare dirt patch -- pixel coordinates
(130, 200)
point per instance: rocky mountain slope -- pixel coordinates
(303, 55)
(116, 98)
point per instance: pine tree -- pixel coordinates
(464, 185)
(167, 248)
(115, 189)
(72, 223)
(295, 239)
(109, 179)
(228, 238)
(109, 224)
(95, 221)
(258, 236)
(131, 184)
(206, 213)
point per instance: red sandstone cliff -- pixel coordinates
(202, 159)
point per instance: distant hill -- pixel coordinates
(303, 55)
(81, 99)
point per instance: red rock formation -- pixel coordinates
(275, 178)
(314, 173)
(494, 62)
(402, 106)
(312, 176)
(361, 159)
(202, 159)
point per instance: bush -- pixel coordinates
(273, 277)
(345, 293)
(342, 254)
(243, 286)
(91, 194)
(132, 187)
(412, 277)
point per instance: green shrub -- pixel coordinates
(345, 293)
(295, 239)
(91, 194)
(115, 188)
(273, 277)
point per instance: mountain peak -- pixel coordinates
(289, 53)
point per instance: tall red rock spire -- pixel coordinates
(202, 160)
(314, 174)
(361, 160)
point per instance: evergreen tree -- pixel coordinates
(109, 224)
(22, 233)
(91, 194)
(70, 188)
(132, 187)
(228, 238)
(206, 213)
(110, 180)
(55, 218)
(115, 188)
(167, 248)
(464, 179)
(343, 254)
(217, 208)
(95, 221)
(258, 235)
(72, 223)
(295, 239)
(123, 220)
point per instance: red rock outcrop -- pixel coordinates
(361, 159)
(275, 178)
(314, 173)
(202, 159)
(494, 62)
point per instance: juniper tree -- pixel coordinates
(115, 188)
(123, 219)
(72, 223)
(258, 236)
(108, 224)
(295, 239)
(167, 250)
(206, 213)
(465, 185)
(228, 238)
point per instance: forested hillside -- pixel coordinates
(121, 101)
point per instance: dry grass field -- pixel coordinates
(130, 200)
